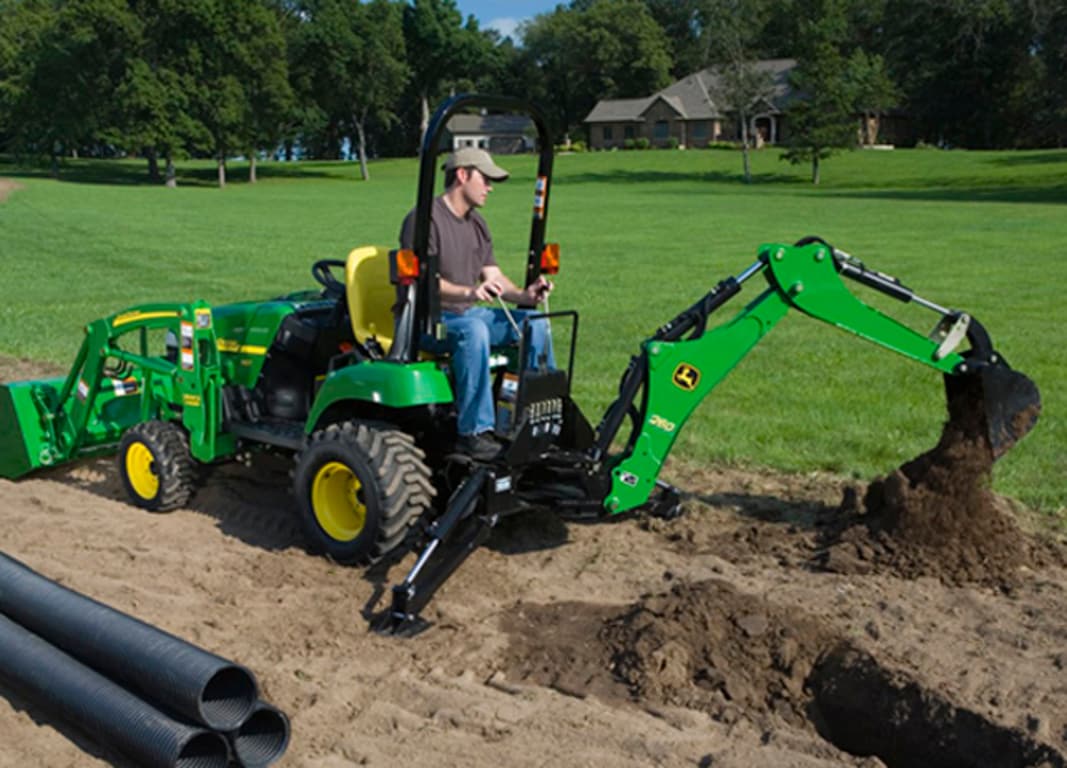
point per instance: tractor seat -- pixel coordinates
(370, 295)
(371, 298)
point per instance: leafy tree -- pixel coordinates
(441, 50)
(820, 121)
(685, 23)
(350, 65)
(873, 91)
(595, 50)
(733, 26)
(22, 24)
(76, 64)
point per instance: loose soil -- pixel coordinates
(785, 620)
(7, 186)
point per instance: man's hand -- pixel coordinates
(538, 290)
(488, 290)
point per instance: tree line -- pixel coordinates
(169, 79)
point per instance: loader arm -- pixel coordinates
(684, 361)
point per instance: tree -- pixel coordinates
(820, 120)
(351, 65)
(872, 89)
(598, 50)
(732, 29)
(440, 50)
(77, 62)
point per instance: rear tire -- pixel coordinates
(359, 487)
(155, 466)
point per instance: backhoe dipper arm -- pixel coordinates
(684, 361)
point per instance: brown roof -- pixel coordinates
(693, 97)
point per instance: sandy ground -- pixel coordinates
(731, 636)
(7, 186)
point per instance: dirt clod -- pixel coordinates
(936, 514)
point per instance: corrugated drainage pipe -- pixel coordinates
(108, 713)
(162, 668)
(262, 738)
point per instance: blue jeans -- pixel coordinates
(470, 337)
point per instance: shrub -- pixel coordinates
(642, 143)
(577, 146)
(628, 144)
(722, 145)
(672, 143)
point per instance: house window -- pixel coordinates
(607, 133)
(700, 130)
(628, 132)
(661, 130)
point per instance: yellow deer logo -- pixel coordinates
(686, 377)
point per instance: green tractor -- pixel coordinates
(336, 377)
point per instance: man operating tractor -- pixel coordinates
(469, 273)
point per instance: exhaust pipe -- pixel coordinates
(165, 669)
(108, 713)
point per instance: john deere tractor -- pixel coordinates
(337, 377)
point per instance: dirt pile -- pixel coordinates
(702, 646)
(7, 186)
(936, 514)
(707, 646)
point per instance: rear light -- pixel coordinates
(550, 259)
(403, 267)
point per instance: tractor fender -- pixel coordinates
(382, 383)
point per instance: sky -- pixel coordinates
(504, 15)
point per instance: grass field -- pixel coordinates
(643, 235)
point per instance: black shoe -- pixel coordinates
(481, 447)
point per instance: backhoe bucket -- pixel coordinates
(25, 443)
(1005, 402)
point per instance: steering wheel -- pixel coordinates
(332, 287)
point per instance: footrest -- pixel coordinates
(285, 434)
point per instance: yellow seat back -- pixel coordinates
(370, 294)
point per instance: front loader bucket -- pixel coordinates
(1005, 402)
(25, 443)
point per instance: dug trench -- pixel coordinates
(708, 647)
(711, 647)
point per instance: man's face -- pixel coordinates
(474, 185)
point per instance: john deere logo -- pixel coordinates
(686, 377)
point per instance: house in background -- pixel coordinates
(499, 134)
(692, 113)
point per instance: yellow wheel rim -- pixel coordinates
(335, 500)
(141, 470)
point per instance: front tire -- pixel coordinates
(359, 487)
(155, 466)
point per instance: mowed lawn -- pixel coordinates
(643, 235)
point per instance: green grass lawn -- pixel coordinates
(643, 235)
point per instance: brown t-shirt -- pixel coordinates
(463, 247)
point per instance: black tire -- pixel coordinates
(359, 487)
(155, 466)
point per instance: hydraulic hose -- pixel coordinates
(112, 716)
(164, 669)
(262, 738)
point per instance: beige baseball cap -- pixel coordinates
(472, 157)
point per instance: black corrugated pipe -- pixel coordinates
(112, 716)
(164, 669)
(262, 738)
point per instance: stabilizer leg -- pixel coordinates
(453, 537)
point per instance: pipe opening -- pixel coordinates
(227, 698)
(261, 739)
(204, 750)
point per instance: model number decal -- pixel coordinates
(661, 423)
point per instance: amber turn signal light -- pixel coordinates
(550, 259)
(404, 267)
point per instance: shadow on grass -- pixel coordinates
(1033, 194)
(1032, 158)
(655, 177)
(126, 173)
